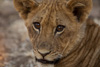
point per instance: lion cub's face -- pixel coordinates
(53, 33)
(54, 26)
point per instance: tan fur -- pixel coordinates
(77, 46)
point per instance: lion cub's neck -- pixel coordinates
(87, 53)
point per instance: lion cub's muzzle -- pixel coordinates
(44, 53)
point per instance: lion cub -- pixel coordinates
(60, 34)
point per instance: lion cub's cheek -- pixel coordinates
(37, 55)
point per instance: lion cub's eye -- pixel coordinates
(60, 28)
(36, 26)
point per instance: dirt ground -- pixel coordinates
(15, 46)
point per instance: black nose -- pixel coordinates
(44, 53)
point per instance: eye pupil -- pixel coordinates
(37, 25)
(60, 28)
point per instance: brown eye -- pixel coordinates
(37, 25)
(60, 28)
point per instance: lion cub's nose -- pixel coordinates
(44, 52)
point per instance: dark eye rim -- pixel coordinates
(60, 26)
(36, 23)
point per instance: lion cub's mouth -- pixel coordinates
(48, 62)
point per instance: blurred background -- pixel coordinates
(15, 46)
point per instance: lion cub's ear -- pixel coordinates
(80, 8)
(24, 7)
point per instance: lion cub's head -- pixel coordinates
(55, 27)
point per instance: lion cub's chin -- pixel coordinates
(44, 65)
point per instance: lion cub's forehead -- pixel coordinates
(50, 15)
